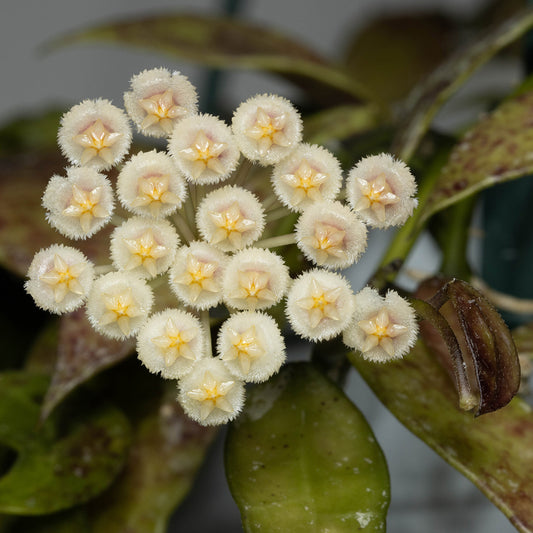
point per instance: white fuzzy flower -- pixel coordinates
(95, 133)
(171, 342)
(230, 218)
(320, 304)
(210, 394)
(196, 275)
(251, 346)
(158, 100)
(60, 278)
(267, 128)
(80, 204)
(144, 246)
(255, 278)
(150, 185)
(118, 304)
(382, 329)
(204, 149)
(381, 189)
(330, 235)
(310, 174)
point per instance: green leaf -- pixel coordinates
(302, 458)
(229, 43)
(443, 82)
(68, 460)
(81, 353)
(496, 149)
(395, 52)
(493, 451)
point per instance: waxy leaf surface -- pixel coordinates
(494, 451)
(70, 459)
(302, 458)
(496, 149)
(229, 43)
(427, 99)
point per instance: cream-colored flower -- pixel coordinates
(320, 304)
(80, 204)
(310, 174)
(330, 235)
(196, 275)
(382, 329)
(158, 100)
(267, 128)
(255, 278)
(95, 133)
(118, 304)
(150, 185)
(210, 394)
(144, 246)
(251, 346)
(171, 342)
(381, 190)
(60, 278)
(204, 149)
(230, 218)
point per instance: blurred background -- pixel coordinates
(427, 494)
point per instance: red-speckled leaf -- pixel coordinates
(229, 43)
(496, 149)
(494, 451)
(81, 353)
(427, 99)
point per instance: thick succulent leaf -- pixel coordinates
(339, 123)
(68, 460)
(393, 53)
(494, 451)
(302, 458)
(496, 149)
(229, 43)
(81, 353)
(167, 450)
(427, 99)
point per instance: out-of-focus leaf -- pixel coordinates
(230, 43)
(395, 52)
(302, 458)
(493, 451)
(486, 364)
(71, 521)
(167, 450)
(70, 459)
(523, 339)
(427, 99)
(42, 356)
(81, 353)
(496, 149)
(339, 123)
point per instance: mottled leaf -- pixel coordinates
(302, 458)
(81, 353)
(496, 149)
(493, 451)
(339, 123)
(230, 43)
(395, 52)
(427, 99)
(70, 459)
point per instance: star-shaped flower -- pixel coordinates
(63, 278)
(306, 181)
(245, 347)
(321, 303)
(327, 240)
(175, 342)
(212, 394)
(376, 195)
(121, 307)
(380, 331)
(230, 224)
(97, 141)
(204, 153)
(86, 205)
(145, 251)
(254, 288)
(161, 109)
(268, 130)
(198, 277)
(153, 191)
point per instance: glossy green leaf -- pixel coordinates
(496, 149)
(494, 451)
(71, 458)
(229, 43)
(393, 53)
(446, 79)
(302, 458)
(339, 123)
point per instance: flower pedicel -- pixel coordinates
(199, 225)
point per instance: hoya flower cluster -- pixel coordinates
(196, 226)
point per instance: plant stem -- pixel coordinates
(278, 240)
(207, 327)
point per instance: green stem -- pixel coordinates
(207, 327)
(278, 240)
